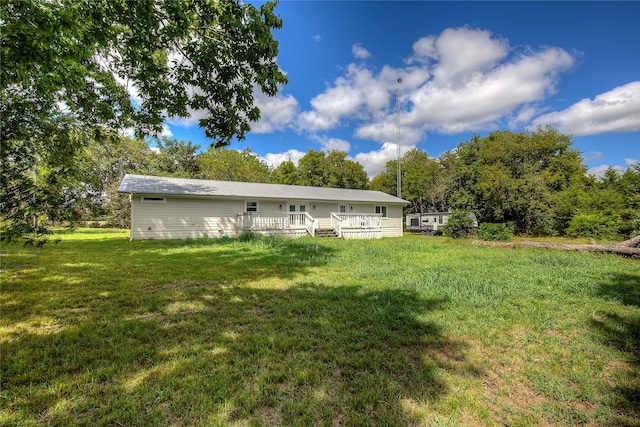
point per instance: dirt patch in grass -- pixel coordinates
(514, 396)
(270, 416)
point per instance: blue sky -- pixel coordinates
(467, 67)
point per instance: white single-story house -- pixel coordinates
(178, 208)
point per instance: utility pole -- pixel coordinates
(399, 178)
(35, 190)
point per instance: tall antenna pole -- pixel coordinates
(399, 178)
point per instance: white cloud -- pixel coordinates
(316, 38)
(387, 131)
(193, 118)
(333, 144)
(274, 159)
(424, 50)
(615, 111)
(373, 162)
(593, 155)
(522, 116)
(464, 54)
(313, 121)
(275, 112)
(461, 80)
(359, 94)
(359, 51)
(166, 131)
(599, 171)
(485, 97)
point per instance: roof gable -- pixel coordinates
(143, 184)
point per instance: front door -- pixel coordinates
(296, 214)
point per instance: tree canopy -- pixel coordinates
(333, 169)
(76, 71)
(231, 165)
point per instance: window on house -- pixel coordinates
(342, 208)
(150, 199)
(297, 208)
(381, 210)
(251, 207)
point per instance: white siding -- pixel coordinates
(392, 226)
(272, 206)
(181, 218)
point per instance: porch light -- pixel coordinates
(314, 207)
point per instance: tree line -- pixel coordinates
(533, 181)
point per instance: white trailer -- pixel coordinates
(430, 223)
(427, 223)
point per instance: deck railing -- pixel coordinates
(348, 225)
(274, 221)
(357, 220)
(356, 223)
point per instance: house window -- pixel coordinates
(297, 208)
(342, 208)
(250, 206)
(151, 199)
(381, 210)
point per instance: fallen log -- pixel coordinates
(634, 241)
(617, 249)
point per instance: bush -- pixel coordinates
(501, 232)
(593, 225)
(461, 224)
(635, 228)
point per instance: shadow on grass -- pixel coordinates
(307, 355)
(76, 273)
(622, 331)
(186, 349)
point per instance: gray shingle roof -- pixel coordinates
(142, 184)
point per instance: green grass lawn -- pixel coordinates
(97, 330)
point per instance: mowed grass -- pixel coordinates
(97, 330)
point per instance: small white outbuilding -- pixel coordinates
(178, 208)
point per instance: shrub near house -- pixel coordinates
(499, 232)
(461, 224)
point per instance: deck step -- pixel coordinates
(326, 233)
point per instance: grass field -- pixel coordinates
(97, 330)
